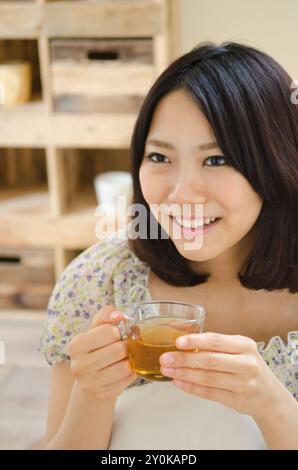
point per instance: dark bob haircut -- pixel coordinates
(246, 97)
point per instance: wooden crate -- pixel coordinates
(26, 278)
(101, 75)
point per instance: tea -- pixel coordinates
(150, 338)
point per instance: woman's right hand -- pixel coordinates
(99, 358)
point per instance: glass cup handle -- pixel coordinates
(135, 290)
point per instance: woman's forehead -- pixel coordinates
(177, 114)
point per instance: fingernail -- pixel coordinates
(168, 359)
(115, 314)
(182, 342)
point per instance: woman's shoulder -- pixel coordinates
(94, 266)
(103, 254)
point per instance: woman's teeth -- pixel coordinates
(195, 223)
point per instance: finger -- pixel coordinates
(115, 388)
(207, 360)
(233, 344)
(102, 336)
(205, 378)
(104, 316)
(118, 371)
(94, 339)
(225, 397)
(107, 356)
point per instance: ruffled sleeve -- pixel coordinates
(283, 360)
(80, 292)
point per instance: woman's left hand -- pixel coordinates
(227, 369)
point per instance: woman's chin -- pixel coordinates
(193, 252)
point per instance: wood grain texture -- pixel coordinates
(105, 19)
(26, 277)
(35, 127)
(52, 147)
(80, 19)
(20, 19)
(26, 221)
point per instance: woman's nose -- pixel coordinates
(188, 189)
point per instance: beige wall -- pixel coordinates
(270, 25)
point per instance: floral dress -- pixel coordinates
(110, 273)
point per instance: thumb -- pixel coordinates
(104, 316)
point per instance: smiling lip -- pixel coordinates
(190, 217)
(195, 231)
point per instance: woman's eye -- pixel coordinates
(159, 158)
(214, 161)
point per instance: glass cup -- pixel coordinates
(152, 329)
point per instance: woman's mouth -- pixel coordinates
(194, 228)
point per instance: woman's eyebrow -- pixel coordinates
(168, 145)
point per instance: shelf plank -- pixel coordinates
(81, 19)
(140, 18)
(45, 70)
(21, 20)
(56, 180)
(26, 221)
(30, 125)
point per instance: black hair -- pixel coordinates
(246, 97)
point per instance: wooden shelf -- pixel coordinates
(81, 19)
(20, 20)
(52, 215)
(26, 220)
(32, 125)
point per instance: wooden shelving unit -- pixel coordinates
(55, 213)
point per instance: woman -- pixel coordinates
(217, 131)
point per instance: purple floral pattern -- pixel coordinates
(105, 274)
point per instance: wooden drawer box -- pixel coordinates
(26, 278)
(101, 75)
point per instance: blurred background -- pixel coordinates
(73, 75)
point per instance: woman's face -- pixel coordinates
(186, 174)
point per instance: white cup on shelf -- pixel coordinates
(110, 185)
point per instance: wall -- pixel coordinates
(270, 25)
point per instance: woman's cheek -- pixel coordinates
(144, 183)
(150, 185)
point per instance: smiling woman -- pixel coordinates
(217, 132)
(208, 133)
(190, 175)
